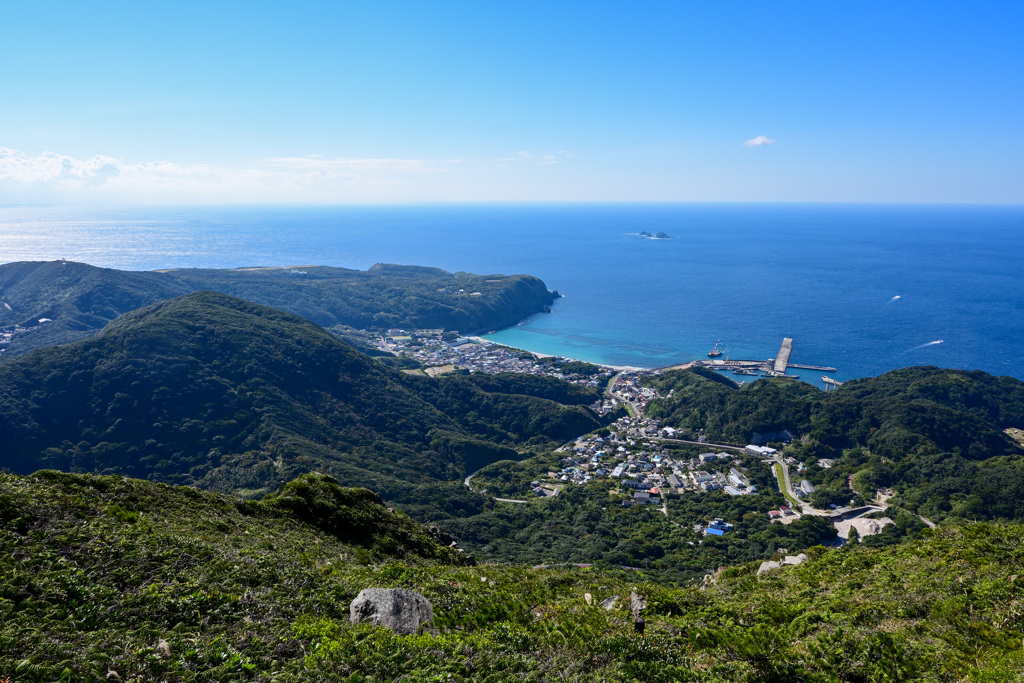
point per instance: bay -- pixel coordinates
(826, 275)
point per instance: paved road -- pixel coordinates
(785, 476)
(500, 500)
(632, 407)
(699, 443)
(805, 508)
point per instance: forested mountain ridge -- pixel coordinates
(110, 578)
(80, 299)
(221, 393)
(938, 436)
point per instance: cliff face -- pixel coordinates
(80, 299)
(520, 296)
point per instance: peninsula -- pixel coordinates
(55, 302)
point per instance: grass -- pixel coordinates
(98, 571)
(780, 476)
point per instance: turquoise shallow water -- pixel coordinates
(749, 275)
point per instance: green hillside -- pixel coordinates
(228, 395)
(937, 436)
(80, 299)
(98, 571)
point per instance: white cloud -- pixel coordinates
(759, 141)
(55, 168)
(52, 176)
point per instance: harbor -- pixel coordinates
(479, 354)
(779, 366)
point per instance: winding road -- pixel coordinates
(500, 500)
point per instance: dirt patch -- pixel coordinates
(1016, 434)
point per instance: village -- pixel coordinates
(475, 354)
(7, 335)
(636, 453)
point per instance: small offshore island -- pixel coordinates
(656, 236)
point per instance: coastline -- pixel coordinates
(616, 368)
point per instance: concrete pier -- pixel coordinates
(782, 358)
(824, 368)
(828, 381)
(775, 367)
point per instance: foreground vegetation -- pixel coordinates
(107, 574)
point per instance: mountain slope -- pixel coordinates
(99, 571)
(938, 436)
(221, 393)
(80, 299)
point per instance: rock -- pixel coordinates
(609, 603)
(588, 598)
(789, 560)
(163, 648)
(440, 536)
(402, 611)
(637, 603)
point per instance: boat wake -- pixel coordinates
(895, 298)
(931, 343)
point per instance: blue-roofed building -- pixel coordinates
(718, 528)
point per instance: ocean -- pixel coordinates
(863, 288)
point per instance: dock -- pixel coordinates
(774, 367)
(782, 358)
(828, 381)
(823, 368)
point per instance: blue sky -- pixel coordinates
(528, 101)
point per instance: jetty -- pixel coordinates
(823, 368)
(829, 382)
(774, 367)
(782, 359)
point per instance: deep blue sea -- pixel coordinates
(864, 288)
